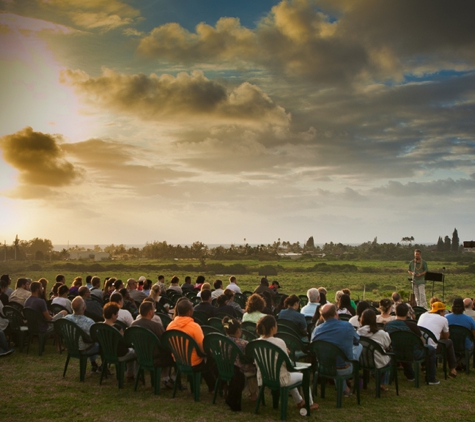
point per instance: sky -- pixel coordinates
(236, 121)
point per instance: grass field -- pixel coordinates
(33, 390)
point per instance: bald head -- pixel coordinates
(468, 303)
(78, 305)
(328, 311)
(84, 292)
(131, 284)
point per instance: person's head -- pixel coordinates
(161, 278)
(43, 282)
(468, 303)
(118, 284)
(77, 282)
(229, 294)
(55, 289)
(132, 284)
(346, 291)
(110, 311)
(6, 278)
(218, 284)
(222, 300)
(402, 310)
(396, 297)
(232, 279)
(205, 286)
(322, 290)
(147, 284)
(200, 279)
(438, 308)
(60, 278)
(78, 305)
(313, 295)
(117, 298)
(266, 326)
(22, 283)
(344, 302)
(3, 285)
(96, 282)
(323, 298)
(84, 292)
(369, 318)
(155, 292)
(385, 305)
(109, 285)
(338, 295)
(184, 308)
(361, 307)
(63, 291)
(147, 310)
(292, 302)
(275, 285)
(175, 280)
(187, 279)
(457, 306)
(232, 326)
(255, 303)
(206, 295)
(433, 300)
(88, 279)
(417, 254)
(328, 311)
(36, 288)
(125, 293)
(264, 282)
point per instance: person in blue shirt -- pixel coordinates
(313, 303)
(291, 313)
(457, 317)
(341, 334)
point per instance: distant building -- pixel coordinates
(96, 256)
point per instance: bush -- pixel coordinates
(267, 270)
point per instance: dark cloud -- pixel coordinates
(39, 158)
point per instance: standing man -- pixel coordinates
(417, 270)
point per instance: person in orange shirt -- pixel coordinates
(184, 321)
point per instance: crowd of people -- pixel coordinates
(138, 302)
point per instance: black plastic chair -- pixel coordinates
(17, 328)
(441, 352)
(326, 355)
(368, 364)
(458, 335)
(408, 348)
(36, 322)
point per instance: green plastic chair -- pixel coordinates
(248, 335)
(200, 318)
(224, 352)
(326, 355)
(344, 317)
(303, 300)
(208, 329)
(165, 318)
(181, 345)
(419, 310)
(16, 326)
(71, 333)
(408, 348)
(35, 321)
(249, 326)
(216, 323)
(368, 364)
(441, 352)
(297, 348)
(144, 343)
(109, 338)
(458, 334)
(269, 359)
(240, 299)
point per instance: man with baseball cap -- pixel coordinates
(435, 321)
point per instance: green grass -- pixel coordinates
(33, 389)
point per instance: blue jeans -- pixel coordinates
(357, 349)
(3, 343)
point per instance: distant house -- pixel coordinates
(291, 255)
(96, 256)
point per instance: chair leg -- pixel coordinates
(284, 400)
(377, 377)
(259, 398)
(417, 374)
(82, 368)
(120, 369)
(196, 385)
(339, 392)
(66, 366)
(157, 376)
(216, 384)
(275, 398)
(177, 382)
(140, 373)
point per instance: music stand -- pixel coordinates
(439, 277)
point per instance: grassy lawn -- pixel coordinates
(33, 389)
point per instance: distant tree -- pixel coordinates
(455, 241)
(440, 245)
(447, 243)
(310, 244)
(408, 239)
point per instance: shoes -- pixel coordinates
(452, 375)
(95, 368)
(411, 379)
(434, 382)
(384, 388)
(347, 393)
(8, 352)
(168, 384)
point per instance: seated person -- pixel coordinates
(254, 308)
(313, 303)
(124, 315)
(291, 313)
(205, 305)
(62, 298)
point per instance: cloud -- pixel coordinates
(92, 14)
(166, 97)
(438, 188)
(40, 160)
(331, 42)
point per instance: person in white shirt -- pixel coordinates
(233, 286)
(124, 315)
